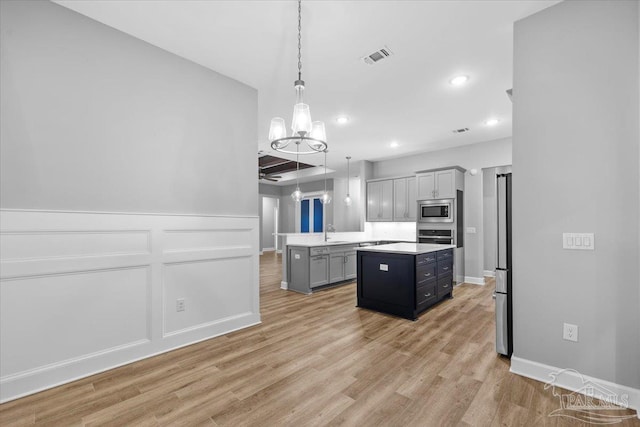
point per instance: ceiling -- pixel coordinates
(405, 98)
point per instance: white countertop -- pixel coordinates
(343, 242)
(406, 248)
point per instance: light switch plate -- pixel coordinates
(384, 267)
(581, 241)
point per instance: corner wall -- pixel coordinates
(575, 167)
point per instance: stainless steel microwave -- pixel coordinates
(435, 210)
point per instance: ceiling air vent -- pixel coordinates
(377, 56)
(461, 130)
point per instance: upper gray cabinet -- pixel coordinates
(437, 185)
(380, 200)
(404, 199)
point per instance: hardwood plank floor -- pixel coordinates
(314, 361)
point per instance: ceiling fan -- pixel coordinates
(268, 177)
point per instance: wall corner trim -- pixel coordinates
(571, 380)
(474, 280)
(489, 273)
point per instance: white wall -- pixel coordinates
(95, 120)
(489, 219)
(575, 151)
(475, 156)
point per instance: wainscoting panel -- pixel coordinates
(83, 292)
(50, 319)
(211, 290)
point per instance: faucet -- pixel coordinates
(328, 228)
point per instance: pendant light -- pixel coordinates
(312, 133)
(347, 200)
(325, 199)
(297, 194)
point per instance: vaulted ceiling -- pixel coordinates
(406, 98)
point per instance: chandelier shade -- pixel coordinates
(304, 130)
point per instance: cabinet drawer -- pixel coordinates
(445, 285)
(423, 259)
(319, 251)
(425, 295)
(445, 268)
(445, 254)
(425, 273)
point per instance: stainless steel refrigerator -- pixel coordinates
(503, 293)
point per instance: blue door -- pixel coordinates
(311, 216)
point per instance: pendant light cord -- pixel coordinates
(348, 158)
(297, 165)
(299, 39)
(325, 171)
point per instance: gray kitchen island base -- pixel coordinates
(404, 279)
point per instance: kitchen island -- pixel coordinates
(404, 279)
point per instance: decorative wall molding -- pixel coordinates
(572, 380)
(84, 292)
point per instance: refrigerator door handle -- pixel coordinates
(501, 280)
(502, 332)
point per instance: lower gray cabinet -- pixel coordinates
(337, 267)
(318, 270)
(350, 265)
(310, 268)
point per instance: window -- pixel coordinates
(311, 215)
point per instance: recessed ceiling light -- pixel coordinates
(394, 144)
(459, 80)
(491, 122)
(341, 120)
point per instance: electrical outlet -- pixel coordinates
(570, 332)
(180, 304)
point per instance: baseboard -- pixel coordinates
(474, 280)
(279, 251)
(284, 285)
(489, 273)
(574, 381)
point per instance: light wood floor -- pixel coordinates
(315, 360)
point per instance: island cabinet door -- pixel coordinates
(319, 270)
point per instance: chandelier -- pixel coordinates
(304, 130)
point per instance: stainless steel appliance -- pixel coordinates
(436, 210)
(442, 222)
(437, 236)
(503, 293)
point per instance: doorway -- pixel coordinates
(269, 224)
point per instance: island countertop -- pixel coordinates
(406, 248)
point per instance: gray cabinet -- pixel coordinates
(380, 200)
(337, 267)
(404, 199)
(310, 268)
(438, 184)
(350, 265)
(318, 270)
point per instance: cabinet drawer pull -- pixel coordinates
(427, 275)
(445, 268)
(427, 295)
(445, 286)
